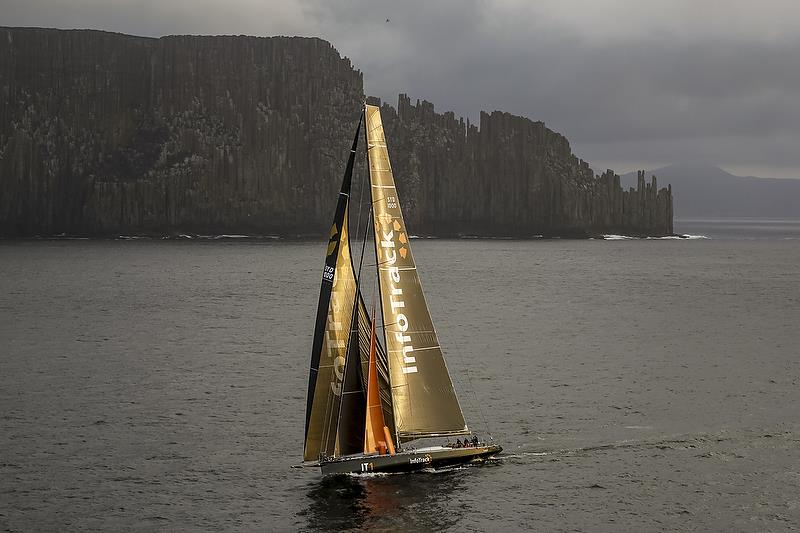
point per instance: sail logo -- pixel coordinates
(335, 347)
(333, 245)
(396, 302)
(333, 239)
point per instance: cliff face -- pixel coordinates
(104, 134)
(510, 176)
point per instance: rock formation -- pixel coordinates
(105, 134)
(509, 176)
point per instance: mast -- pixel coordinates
(423, 398)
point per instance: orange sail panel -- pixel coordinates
(374, 434)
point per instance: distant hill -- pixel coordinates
(708, 191)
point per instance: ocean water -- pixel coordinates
(636, 385)
(786, 229)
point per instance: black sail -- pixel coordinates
(332, 330)
(349, 438)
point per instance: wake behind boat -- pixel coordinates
(367, 399)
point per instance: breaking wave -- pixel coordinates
(614, 237)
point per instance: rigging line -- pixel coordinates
(469, 381)
(353, 318)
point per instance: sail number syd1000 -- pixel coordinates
(327, 273)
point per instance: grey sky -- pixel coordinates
(632, 84)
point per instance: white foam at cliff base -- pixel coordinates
(679, 237)
(685, 237)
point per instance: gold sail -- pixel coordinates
(329, 352)
(423, 398)
(326, 396)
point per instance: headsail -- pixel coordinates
(424, 401)
(332, 330)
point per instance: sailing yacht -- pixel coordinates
(369, 402)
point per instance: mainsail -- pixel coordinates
(424, 402)
(335, 410)
(332, 330)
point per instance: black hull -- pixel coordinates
(408, 461)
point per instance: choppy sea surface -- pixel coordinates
(636, 385)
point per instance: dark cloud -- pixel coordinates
(629, 83)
